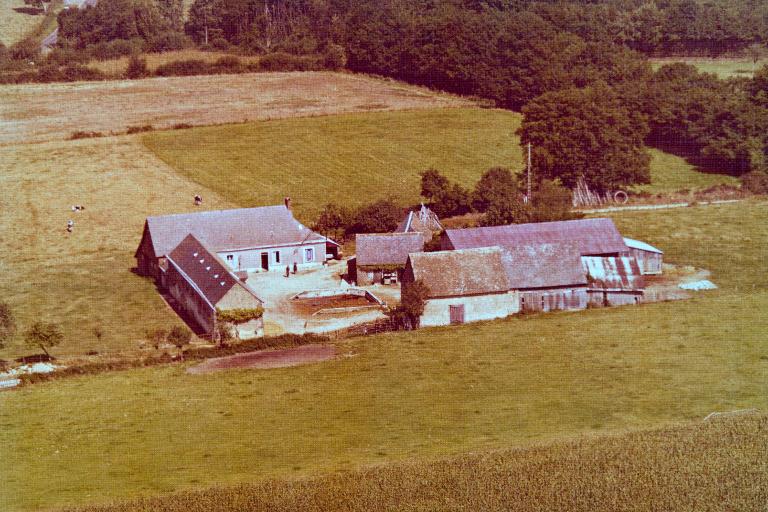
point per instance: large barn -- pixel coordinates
(464, 285)
(267, 238)
(381, 257)
(204, 286)
(593, 237)
(548, 276)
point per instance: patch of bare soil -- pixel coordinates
(43, 112)
(263, 359)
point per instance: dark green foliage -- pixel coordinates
(407, 314)
(139, 129)
(380, 217)
(44, 335)
(27, 50)
(116, 48)
(281, 61)
(755, 182)
(168, 41)
(186, 67)
(65, 56)
(495, 186)
(239, 316)
(137, 68)
(587, 133)
(179, 336)
(85, 135)
(334, 221)
(444, 198)
(334, 57)
(550, 201)
(7, 324)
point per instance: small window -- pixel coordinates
(277, 256)
(309, 254)
(230, 257)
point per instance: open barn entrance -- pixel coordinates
(265, 261)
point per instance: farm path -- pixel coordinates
(44, 112)
(657, 206)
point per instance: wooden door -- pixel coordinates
(456, 314)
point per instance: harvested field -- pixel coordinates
(36, 113)
(263, 359)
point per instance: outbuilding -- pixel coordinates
(649, 258)
(464, 285)
(381, 257)
(613, 281)
(423, 221)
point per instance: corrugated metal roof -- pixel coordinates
(204, 270)
(637, 244)
(387, 248)
(226, 230)
(543, 266)
(462, 272)
(613, 274)
(592, 236)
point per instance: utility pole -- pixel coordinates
(528, 193)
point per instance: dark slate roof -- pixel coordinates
(424, 220)
(543, 266)
(204, 270)
(387, 248)
(462, 272)
(227, 230)
(642, 246)
(593, 236)
(613, 274)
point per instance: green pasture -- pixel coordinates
(723, 68)
(671, 173)
(412, 395)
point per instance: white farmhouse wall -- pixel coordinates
(250, 259)
(476, 308)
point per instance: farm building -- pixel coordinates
(205, 288)
(423, 221)
(381, 257)
(548, 276)
(464, 285)
(649, 258)
(593, 237)
(613, 281)
(267, 238)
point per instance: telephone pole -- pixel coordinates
(528, 193)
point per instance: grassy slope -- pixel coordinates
(724, 68)
(15, 25)
(426, 394)
(351, 159)
(722, 463)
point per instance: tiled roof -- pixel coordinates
(222, 230)
(637, 244)
(462, 272)
(592, 236)
(543, 266)
(204, 270)
(387, 248)
(613, 274)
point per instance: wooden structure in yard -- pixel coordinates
(380, 257)
(464, 285)
(423, 221)
(613, 281)
(649, 258)
(203, 286)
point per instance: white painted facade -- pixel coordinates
(476, 308)
(275, 258)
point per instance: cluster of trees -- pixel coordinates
(339, 222)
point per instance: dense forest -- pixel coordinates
(578, 70)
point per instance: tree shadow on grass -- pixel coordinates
(691, 153)
(32, 11)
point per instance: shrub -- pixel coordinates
(179, 336)
(182, 126)
(25, 50)
(44, 335)
(7, 323)
(156, 336)
(137, 68)
(239, 316)
(334, 57)
(186, 67)
(755, 182)
(139, 129)
(64, 56)
(229, 64)
(115, 49)
(169, 41)
(219, 43)
(85, 135)
(280, 61)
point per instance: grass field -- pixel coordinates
(415, 395)
(14, 25)
(722, 67)
(722, 464)
(116, 67)
(670, 173)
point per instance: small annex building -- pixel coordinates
(613, 281)
(464, 285)
(204, 287)
(423, 221)
(380, 257)
(593, 237)
(547, 276)
(649, 258)
(266, 238)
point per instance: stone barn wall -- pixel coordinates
(553, 299)
(476, 308)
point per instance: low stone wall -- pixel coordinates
(359, 292)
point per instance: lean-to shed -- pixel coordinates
(613, 281)
(381, 257)
(649, 258)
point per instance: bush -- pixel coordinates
(239, 316)
(44, 335)
(334, 57)
(755, 182)
(137, 68)
(280, 61)
(139, 129)
(169, 41)
(64, 56)
(179, 336)
(7, 324)
(69, 73)
(156, 336)
(188, 67)
(85, 135)
(219, 43)
(115, 49)
(25, 50)
(182, 126)
(229, 64)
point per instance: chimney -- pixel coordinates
(288, 202)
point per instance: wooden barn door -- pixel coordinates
(456, 314)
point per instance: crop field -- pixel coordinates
(320, 160)
(422, 395)
(116, 67)
(45, 112)
(722, 67)
(723, 464)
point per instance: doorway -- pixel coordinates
(265, 261)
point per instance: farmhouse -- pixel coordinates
(649, 258)
(548, 276)
(613, 281)
(380, 258)
(267, 238)
(464, 285)
(593, 237)
(206, 289)
(424, 221)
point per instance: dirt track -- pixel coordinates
(44, 112)
(263, 359)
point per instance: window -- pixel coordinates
(230, 257)
(309, 254)
(277, 256)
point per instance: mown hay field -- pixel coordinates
(117, 67)
(724, 67)
(355, 158)
(45, 112)
(717, 465)
(418, 395)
